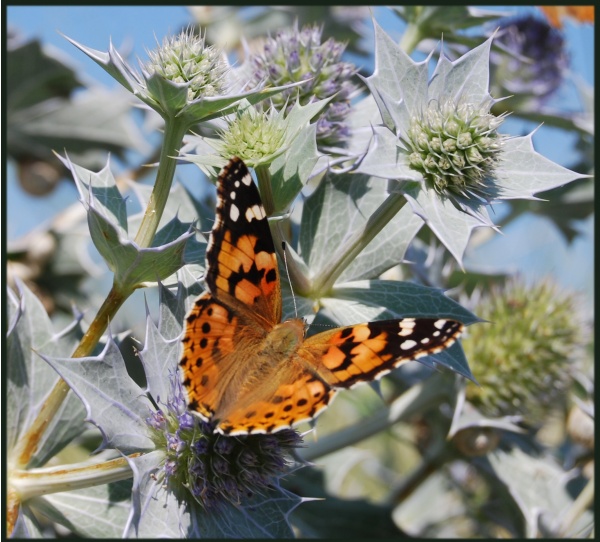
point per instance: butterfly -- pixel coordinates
(246, 371)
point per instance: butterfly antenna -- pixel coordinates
(287, 272)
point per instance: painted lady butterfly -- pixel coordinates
(249, 372)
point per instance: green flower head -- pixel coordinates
(183, 80)
(254, 136)
(455, 146)
(525, 357)
(184, 59)
(434, 135)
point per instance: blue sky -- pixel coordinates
(538, 252)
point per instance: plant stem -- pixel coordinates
(36, 482)
(105, 314)
(266, 190)
(175, 129)
(411, 38)
(436, 456)
(343, 257)
(28, 443)
(583, 501)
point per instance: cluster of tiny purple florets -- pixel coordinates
(536, 58)
(294, 55)
(215, 468)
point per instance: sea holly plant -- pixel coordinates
(443, 147)
(340, 219)
(186, 478)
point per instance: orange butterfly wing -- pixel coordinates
(337, 359)
(241, 266)
(243, 298)
(347, 356)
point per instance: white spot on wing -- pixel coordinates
(234, 213)
(408, 344)
(406, 327)
(247, 179)
(440, 324)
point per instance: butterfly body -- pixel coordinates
(249, 372)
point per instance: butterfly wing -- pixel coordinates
(226, 371)
(298, 398)
(243, 298)
(332, 360)
(209, 343)
(346, 356)
(241, 266)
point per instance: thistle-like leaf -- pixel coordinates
(29, 379)
(114, 402)
(342, 206)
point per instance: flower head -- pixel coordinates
(535, 60)
(254, 136)
(294, 55)
(186, 60)
(213, 468)
(455, 147)
(523, 359)
(184, 80)
(257, 136)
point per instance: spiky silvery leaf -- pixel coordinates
(29, 379)
(107, 218)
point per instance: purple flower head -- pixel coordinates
(157, 420)
(535, 60)
(294, 55)
(186, 420)
(224, 446)
(215, 468)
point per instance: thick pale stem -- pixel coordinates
(28, 444)
(175, 129)
(266, 190)
(411, 38)
(35, 482)
(343, 257)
